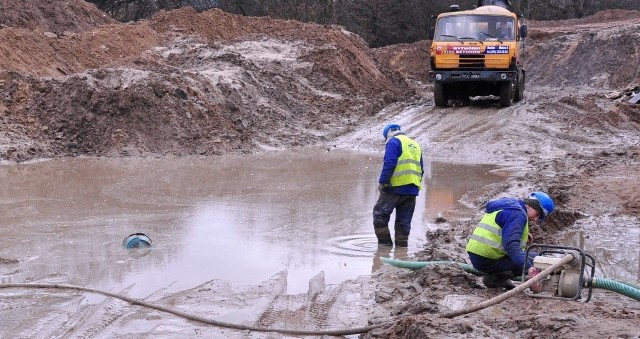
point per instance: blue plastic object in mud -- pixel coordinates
(137, 240)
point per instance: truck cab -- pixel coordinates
(478, 53)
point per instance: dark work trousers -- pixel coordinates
(495, 266)
(404, 206)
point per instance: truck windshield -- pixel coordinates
(474, 28)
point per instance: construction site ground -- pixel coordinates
(74, 82)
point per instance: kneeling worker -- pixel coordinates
(497, 244)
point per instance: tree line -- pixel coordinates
(378, 22)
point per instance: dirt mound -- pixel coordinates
(219, 83)
(33, 52)
(410, 60)
(52, 16)
(594, 51)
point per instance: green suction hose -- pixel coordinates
(628, 283)
(616, 286)
(416, 265)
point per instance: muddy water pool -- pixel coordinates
(241, 219)
(616, 257)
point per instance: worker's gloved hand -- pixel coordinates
(537, 287)
(381, 188)
(533, 271)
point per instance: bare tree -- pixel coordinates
(379, 22)
(320, 11)
(567, 9)
(133, 10)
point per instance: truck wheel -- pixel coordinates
(440, 95)
(519, 91)
(506, 94)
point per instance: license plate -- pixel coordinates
(470, 76)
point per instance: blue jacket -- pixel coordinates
(392, 151)
(512, 219)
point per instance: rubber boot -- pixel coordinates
(383, 235)
(402, 240)
(499, 280)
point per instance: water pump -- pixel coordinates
(567, 281)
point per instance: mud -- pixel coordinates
(215, 84)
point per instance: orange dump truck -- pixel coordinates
(478, 53)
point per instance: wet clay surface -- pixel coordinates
(236, 220)
(217, 84)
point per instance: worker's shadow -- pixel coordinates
(400, 253)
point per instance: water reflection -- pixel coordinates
(600, 237)
(382, 251)
(240, 218)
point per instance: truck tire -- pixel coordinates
(506, 94)
(519, 90)
(440, 95)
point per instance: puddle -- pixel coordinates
(241, 219)
(456, 302)
(600, 237)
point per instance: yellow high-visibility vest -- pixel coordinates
(486, 239)
(408, 170)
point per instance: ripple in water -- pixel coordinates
(355, 245)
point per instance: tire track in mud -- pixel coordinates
(34, 314)
(285, 311)
(314, 310)
(12, 313)
(91, 320)
(290, 311)
(549, 123)
(321, 305)
(473, 133)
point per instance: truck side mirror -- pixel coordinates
(523, 31)
(431, 33)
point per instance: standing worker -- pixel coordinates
(399, 184)
(497, 244)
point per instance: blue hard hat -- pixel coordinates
(546, 203)
(137, 240)
(389, 127)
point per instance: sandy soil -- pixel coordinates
(73, 82)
